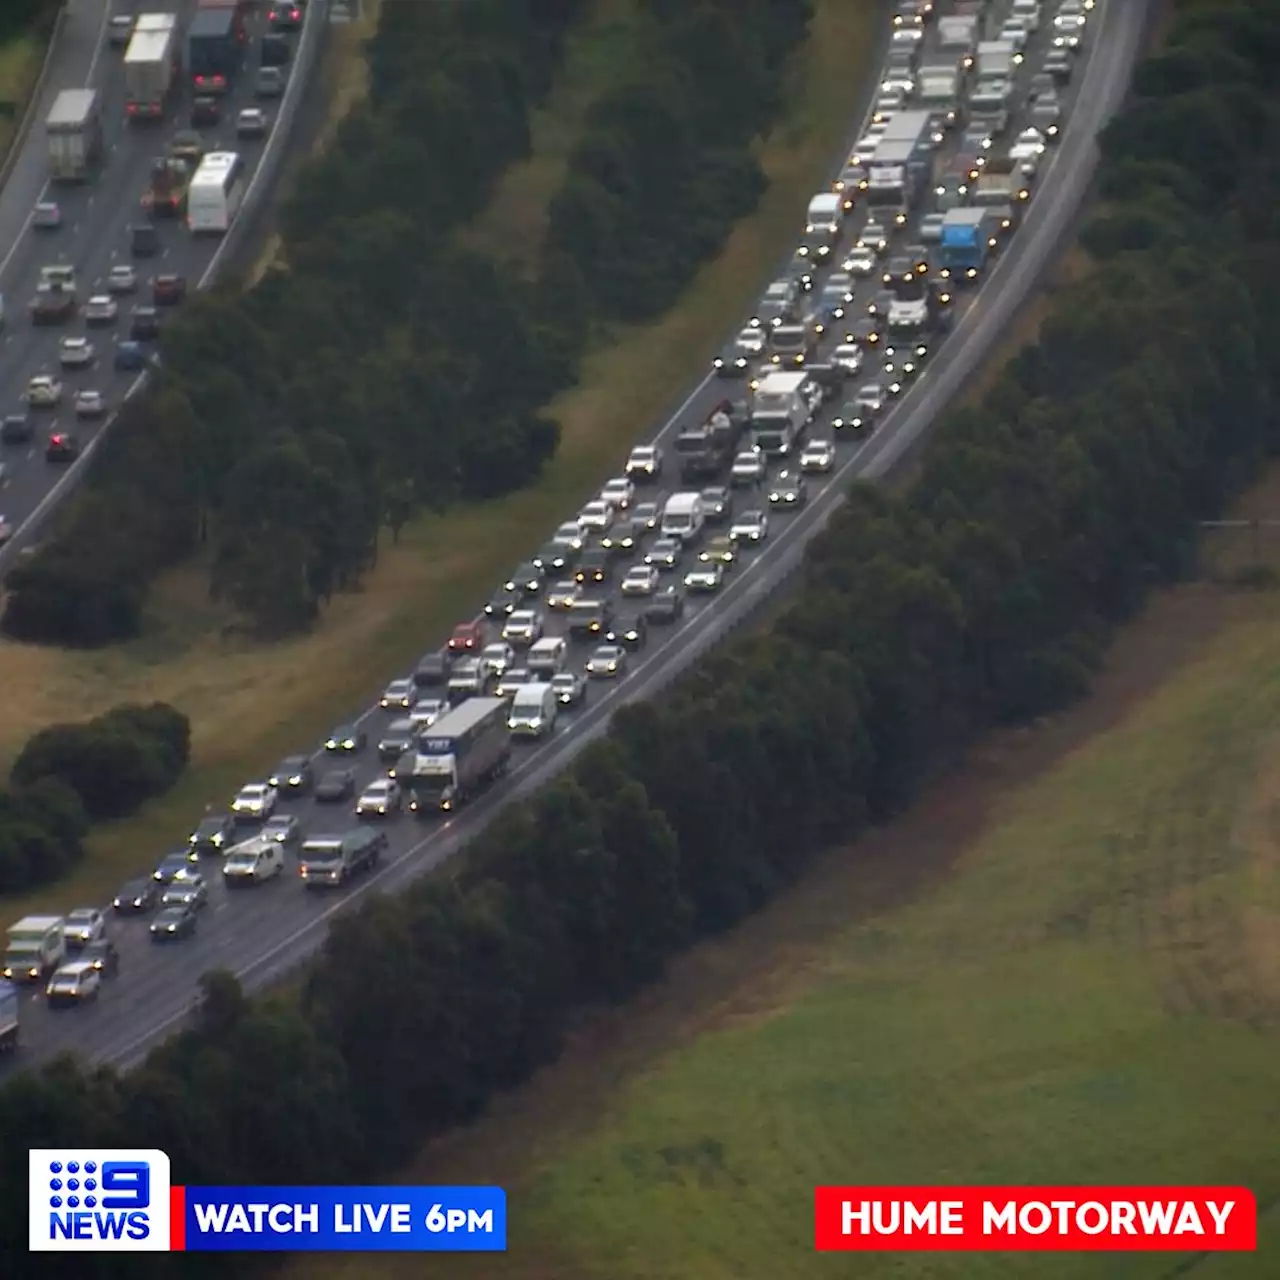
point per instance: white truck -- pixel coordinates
(73, 128)
(783, 406)
(826, 209)
(151, 64)
(939, 89)
(464, 750)
(997, 60)
(9, 998)
(36, 947)
(958, 34)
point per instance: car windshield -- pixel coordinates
(82, 917)
(322, 853)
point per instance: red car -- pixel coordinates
(466, 637)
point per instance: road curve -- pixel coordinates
(260, 934)
(93, 237)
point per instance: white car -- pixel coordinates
(641, 580)
(749, 467)
(101, 308)
(569, 536)
(888, 104)
(251, 123)
(523, 627)
(256, 801)
(596, 516)
(76, 983)
(875, 236)
(861, 261)
(750, 526)
(90, 404)
(644, 462)
(44, 391)
(496, 658)
(607, 663)
(83, 926)
(47, 216)
(122, 278)
(1016, 33)
(75, 353)
(818, 456)
(426, 711)
(1030, 141)
(705, 577)
(848, 356)
(665, 553)
(399, 695)
(380, 799)
(1068, 28)
(619, 493)
(562, 595)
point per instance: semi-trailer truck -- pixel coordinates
(215, 45)
(74, 130)
(464, 750)
(150, 65)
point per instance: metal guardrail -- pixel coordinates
(251, 209)
(33, 103)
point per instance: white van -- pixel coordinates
(547, 657)
(826, 209)
(533, 711)
(683, 516)
(1028, 11)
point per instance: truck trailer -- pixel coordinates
(74, 130)
(464, 750)
(150, 65)
(215, 45)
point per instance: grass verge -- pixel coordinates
(20, 63)
(251, 704)
(1062, 966)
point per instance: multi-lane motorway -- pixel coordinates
(94, 234)
(261, 933)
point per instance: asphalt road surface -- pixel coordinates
(261, 933)
(94, 235)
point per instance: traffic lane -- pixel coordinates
(245, 926)
(110, 212)
(76, 60)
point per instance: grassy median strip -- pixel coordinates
(1062, 967)
(250, 704)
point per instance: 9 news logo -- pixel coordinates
(107, 1200)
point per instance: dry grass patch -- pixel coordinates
(251, 704)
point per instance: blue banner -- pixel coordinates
(341, 1219)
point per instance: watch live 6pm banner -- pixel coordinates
(124, 1201)
(1035, 1219)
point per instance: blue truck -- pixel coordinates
(969, 236)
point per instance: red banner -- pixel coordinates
(1035, 1219)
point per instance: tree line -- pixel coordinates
(983, 594)
(69, 775)
(389, 368)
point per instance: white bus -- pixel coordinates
(217, 187)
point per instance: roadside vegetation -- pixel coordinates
(250, 702)
(1046, 971)
(983, 596)
(25, 30)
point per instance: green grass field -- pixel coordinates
(20, 62)
(1063, 966)
(249, 703)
